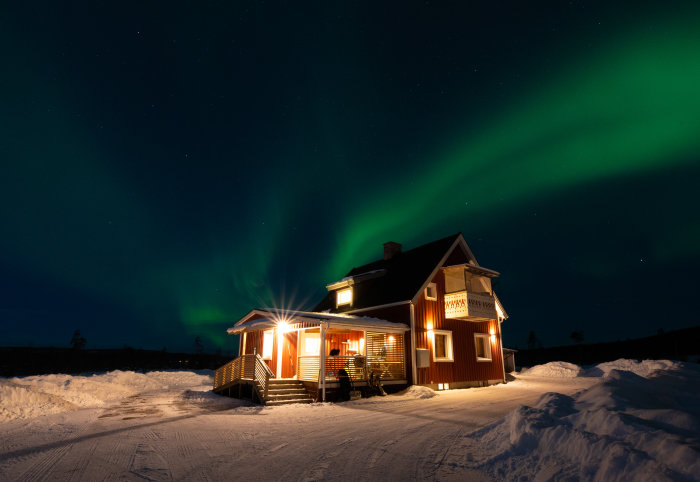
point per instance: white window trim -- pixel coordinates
(303, 337)
(448, 346)
(427, 288)
(337, 297)
(487, 343)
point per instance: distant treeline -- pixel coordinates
(682, 345)
(24, 361)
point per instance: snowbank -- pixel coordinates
(29, 397)
(641, 423)
(416, 392)
(643, 368)
(556, 369)
(559, 369)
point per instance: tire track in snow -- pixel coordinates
(318, 471)
(379, 452)
(47, 460)
(188, 464)
(147, 463)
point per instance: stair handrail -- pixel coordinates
(235, 370)
(262, 375)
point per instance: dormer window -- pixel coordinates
(431, 292)
(344, 297)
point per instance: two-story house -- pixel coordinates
(425, 316)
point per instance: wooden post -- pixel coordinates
(322, 370)
(267, 384)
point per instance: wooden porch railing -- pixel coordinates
(250, 368)
(357, 367)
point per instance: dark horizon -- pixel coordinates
(166, 170)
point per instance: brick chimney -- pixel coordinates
(391, 249)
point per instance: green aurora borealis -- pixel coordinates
(163, 176)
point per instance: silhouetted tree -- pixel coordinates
(78, 342)
(577, 336)
(197, 345)
(532, 341)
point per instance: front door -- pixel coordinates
(289, 355)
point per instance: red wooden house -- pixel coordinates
(425, 316)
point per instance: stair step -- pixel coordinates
(289, 396)
(286, 390)
(288, 402)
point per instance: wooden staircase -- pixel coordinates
(283, 392)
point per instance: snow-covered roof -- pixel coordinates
(270, 317)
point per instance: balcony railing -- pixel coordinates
(467, 305)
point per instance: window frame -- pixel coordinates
(271, 335)
(337, 297)
(304, 337)
(487, 343)
(427, 288)
(449, 346)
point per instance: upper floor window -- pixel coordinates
(431, 291)
(483, 347)
(344, 297)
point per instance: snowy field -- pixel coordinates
(622, 420)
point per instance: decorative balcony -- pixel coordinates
(464, 305)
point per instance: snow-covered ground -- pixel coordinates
(622, 420)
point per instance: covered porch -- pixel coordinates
(319, 349)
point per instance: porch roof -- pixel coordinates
(270, 317)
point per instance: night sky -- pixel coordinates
(168, 166)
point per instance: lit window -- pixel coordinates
(344, 297)
(442, 346)
(310, 343)
(483, 347)
(431, 292)
(267, 345)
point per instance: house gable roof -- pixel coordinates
(403, 277)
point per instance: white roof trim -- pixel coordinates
(349, 281)
(500, 309)
(271, 316)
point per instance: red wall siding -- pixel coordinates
(431, 315)
(251, 342)
(335, 341)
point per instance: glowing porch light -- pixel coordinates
(282, 326)
(493, 335)
(391, 339)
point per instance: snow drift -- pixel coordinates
(556, 369)
(29, 397)
(640, 422)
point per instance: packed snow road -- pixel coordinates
(553, 422)
(176, 435)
